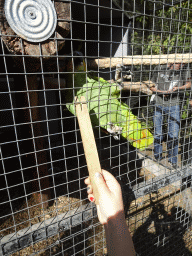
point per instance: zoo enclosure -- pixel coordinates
(44, 207)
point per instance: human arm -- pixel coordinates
(186, 77)
(154, 89)
(154, 79)
(111, 214)
(187, 85)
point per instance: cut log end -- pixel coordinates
(49, 47)
(43, 200)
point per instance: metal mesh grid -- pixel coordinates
(43, 198)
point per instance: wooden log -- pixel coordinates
(139, 60)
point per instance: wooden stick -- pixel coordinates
(139, 60)
(89, 144)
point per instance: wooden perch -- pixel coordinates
(143, 87)
(139, 60)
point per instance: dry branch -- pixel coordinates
(139, 60)
(143, 87)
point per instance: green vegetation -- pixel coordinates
(168, 30)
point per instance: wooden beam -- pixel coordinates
(139, 60)
(41, 184)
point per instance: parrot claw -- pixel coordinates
(119, 69)
(114, 130)
(116, 137)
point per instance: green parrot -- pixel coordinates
(104, 105)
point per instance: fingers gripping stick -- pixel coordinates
(89, 144)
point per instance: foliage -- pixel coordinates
(169, 30)
(185, 110)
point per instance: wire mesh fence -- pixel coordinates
(131, 60)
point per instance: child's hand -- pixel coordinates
(110, 195)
